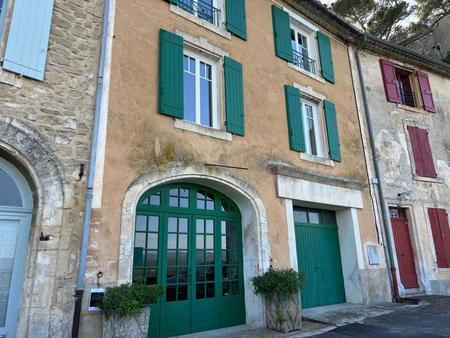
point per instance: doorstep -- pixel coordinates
(344, 314)
(246, 331)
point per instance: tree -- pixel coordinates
(380, 18)
(431, 10)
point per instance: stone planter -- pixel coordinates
(125, 327)
(283, 315)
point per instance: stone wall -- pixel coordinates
(45, 127)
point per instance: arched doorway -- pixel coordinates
(188, 238)
(16, 205)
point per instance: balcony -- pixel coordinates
(303, 61)
(201, 9)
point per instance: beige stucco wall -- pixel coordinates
(141, 142)
(397, 163)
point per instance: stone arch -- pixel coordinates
(32, 154)
(254, 224)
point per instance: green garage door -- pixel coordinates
(318, 255)
(188, 239)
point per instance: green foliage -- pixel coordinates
(447, 58)
(431, 10)
(129, 299)
(283, 283)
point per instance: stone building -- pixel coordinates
(407, 103)
(231, 143)
(433, 41)
(48, 78)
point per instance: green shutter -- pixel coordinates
(236, 18)
(294, 118)
(326, 57)
(282, 34)
(171, 99)
(332, 130)
(234, 97)
(175, 2)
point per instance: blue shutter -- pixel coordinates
(294, 119)
(26, 49)
(332, 131)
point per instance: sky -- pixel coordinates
(405, 22)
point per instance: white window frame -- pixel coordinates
(214, 87)
(311, 42)
(318, 128)
(219, 4)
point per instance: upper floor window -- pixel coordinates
(199, 90)
(314, 136)
(208, 10)
(303, 51)
(407, 87)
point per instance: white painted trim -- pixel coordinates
(202, 130)
(301, 19)
(292, 242)
(103, 123)
(305, 72)
(320, 193)
(317, 159)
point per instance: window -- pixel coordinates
(300, 50)
(441, 236)
(404, 87)
(313, 128)
(423, 158)
(208, 10)
(199, 90)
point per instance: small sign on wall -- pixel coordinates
(372, 253)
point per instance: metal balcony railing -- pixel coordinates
(303, 61)
(408, 98)
(202, 10)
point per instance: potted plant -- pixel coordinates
(126, 309)
(280, 289)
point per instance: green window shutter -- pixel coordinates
(171, 98)
(294, 118)
(332, 130)
(236, 18)
(326, 57)
(175, 2)
(234, 97)
(282, 34)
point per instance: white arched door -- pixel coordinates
(16, 205)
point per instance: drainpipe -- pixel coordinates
(384, 211)
(90, 183)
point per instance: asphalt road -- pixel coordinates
(431, 319)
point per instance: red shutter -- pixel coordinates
(425, 89)
(423, 158)
(390, 81)
(441, 233)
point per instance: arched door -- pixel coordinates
(188, 239)
(16, 206)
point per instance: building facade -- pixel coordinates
(231, 143)
(48, 78)
(407, 103)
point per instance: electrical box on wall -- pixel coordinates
(94, 299)
(372, 253)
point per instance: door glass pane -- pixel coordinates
(314, 216)
(146, 249)
(8, 239)
(300, 215)
(205, 260)
(230, 253)
(9, 192)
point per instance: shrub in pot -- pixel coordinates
(126, 309)
(280, 289)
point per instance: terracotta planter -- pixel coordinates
(283, 314)
(125, 327)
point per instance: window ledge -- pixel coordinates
(412, 109)
(199, 129)
(317, 159)
(427, 179)
(218, 30)
(442, 269)
(11, 79)
(311, 75)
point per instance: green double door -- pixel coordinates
(188, 239)
(319, 256)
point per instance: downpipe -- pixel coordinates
(90, 183)
(384, 211)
